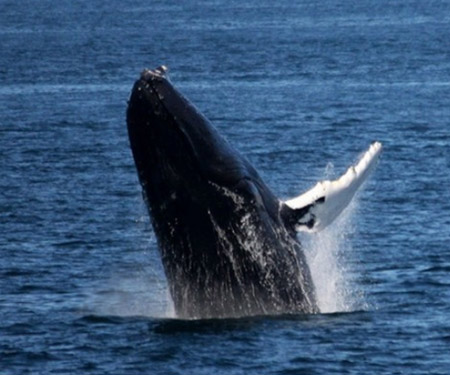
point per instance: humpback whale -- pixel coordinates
(228, 245)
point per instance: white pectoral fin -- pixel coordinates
(318, 207)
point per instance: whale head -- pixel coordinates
(172, 141)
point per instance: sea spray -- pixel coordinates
(329, 253)
(144, 290)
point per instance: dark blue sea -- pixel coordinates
(301, 88)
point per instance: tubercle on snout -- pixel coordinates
(159, 73)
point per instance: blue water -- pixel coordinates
(295, 87)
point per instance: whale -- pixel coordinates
(228, 244)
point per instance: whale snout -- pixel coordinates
(148, 94)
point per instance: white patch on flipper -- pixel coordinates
(337, 193)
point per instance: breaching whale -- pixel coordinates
(228, 245)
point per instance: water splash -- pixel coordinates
(329, 253)
(144, 291)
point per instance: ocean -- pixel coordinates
(301, 88)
